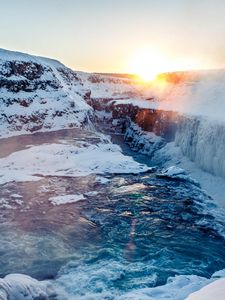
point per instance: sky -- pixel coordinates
(117, 35)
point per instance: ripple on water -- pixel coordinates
(130, 232)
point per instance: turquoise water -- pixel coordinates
(131, 232)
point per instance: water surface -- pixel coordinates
(131, 231)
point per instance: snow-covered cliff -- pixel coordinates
(38, 94)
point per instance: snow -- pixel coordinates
(21, 287)
(102, 180)
(59, 104)
(175, 172)
(66, 160)
(91, 193)
(211, 184)
(143, 141)
(7, 55)
(66, 199)
(111, 87)
(200, 93)
(142, 103)
(176, 288)
(214, 290)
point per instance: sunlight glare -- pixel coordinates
(147, 64)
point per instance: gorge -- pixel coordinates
(110, 189)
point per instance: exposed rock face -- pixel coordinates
(25, 76)
(42, 94)
(148, 130)
(36, 92)
(161, 123)
(144, 142)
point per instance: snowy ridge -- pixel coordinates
(111, 87)
(38, 94)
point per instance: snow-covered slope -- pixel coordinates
(38, 94)
(111, 86)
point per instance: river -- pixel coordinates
(130, 231)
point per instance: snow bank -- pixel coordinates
(65, 199)
(175, 172)
(214, 290)
(66, 160)
(22, 287)
(176, 288)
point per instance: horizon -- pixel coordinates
(133, 38)
(115, 73)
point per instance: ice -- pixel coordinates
(143, 141)
(66, 160)
(92, 284)
(214, 290)
(172, 155)
(175, 172)
(142, 103)
(102, 180)
(177, 288)
(203, 141)
(66, 199)
(22, 287)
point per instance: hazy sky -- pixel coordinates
(101, 35)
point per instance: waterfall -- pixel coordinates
(203, 142)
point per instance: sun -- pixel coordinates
(146, 64)
(146, 74)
